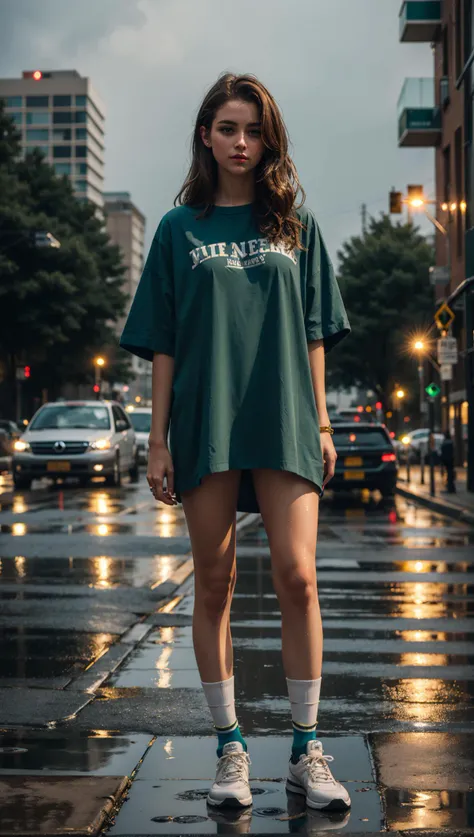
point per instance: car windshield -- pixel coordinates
(141, 422)
(365, 437)
(73, 416)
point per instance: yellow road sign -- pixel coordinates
(444, 317)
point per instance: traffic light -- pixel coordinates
(396, 203)
(414, 191)
(96, 388)
(27, 371)
(378, 405)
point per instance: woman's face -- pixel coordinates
(235, 137)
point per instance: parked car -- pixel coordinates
(76, 439)
(415, 443)
(141, 421)
(366, 458)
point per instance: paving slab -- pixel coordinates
(70, 752)
(425, 761)
(38, 707)
(85, 545)
(50, 805)
(163, 711)
(179, 807)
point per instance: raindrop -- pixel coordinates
(257, 791)
(269, 812)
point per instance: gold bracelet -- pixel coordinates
(327, 429)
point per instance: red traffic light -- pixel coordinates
(37, 75)
(27, 371)
(96, 388)
(378, 405)
(360, 408)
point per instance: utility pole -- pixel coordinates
(363, 213)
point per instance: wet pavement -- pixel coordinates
(98, 677)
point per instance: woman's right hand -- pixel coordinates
(160, 465)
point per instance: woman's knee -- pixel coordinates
(295, 586)
(214, 593)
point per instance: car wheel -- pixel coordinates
(115, 478)
(22, 482)
(135, 470)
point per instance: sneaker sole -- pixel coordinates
(333, 805)
(230, 802)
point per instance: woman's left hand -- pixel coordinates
(329, 457)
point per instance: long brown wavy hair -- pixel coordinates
(276, 180)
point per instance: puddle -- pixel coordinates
(30, 653)
(96, 752)
(99, 571)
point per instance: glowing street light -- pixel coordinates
(418, 345)
(400, 393)
(416, 203)
(99, 362)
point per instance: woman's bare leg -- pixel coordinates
(289, 506)
(210, 511)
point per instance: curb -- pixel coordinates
(441, 506)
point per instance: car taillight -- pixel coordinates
(389, 457)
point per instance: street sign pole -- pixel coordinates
(421, 377)
(431, 408)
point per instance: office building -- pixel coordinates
(437, 113)
(126, 228)
(60, 113)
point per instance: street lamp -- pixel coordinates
(99, 362)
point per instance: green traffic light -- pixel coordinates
(432, 390)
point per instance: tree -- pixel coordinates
(384, 280)
(58, 306)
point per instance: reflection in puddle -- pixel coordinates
(20, 565)
(435, 809)
(102, 566)
(18, 529)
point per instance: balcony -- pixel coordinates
(419, 119)
(420, 20)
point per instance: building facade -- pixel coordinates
(60, 113)
(126, 228)
(432, 113)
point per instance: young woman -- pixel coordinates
(236, 307)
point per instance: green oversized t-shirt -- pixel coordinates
(236, 313)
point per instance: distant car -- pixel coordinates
(366, 458)
(76, 439)
(141, 421)
(352, 414)
(414, 444)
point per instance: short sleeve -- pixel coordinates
(325, 315)
(150, 325)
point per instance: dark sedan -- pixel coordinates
(366, 458)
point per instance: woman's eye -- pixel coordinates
(226, 130)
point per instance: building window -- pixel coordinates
(62, 168)
(38, 134)
(17, 118)
(80, 185)
(43, 148)
(81, 101)
(62, 117)
(37, 101)
(62, 134)
(14, 101)
(39, 118)
(81, 150)
(81, 133)
(80, 168)
(62, 101)
(81, 116)
(61, 150)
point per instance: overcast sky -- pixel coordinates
(336, 68)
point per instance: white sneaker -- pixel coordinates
(312, 777)
(232, 778)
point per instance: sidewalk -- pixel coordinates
(459, 505)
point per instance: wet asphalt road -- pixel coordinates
(98, 679)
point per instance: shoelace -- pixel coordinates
(318, 768)
(233, 767)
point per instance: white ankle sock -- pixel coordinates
(221, 702)
(304, 699)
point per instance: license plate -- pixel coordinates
(353, 461)
(58, 466)
(354, 475)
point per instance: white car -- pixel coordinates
(141, 421)
(415, 444)
(81, 439)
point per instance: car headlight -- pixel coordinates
(405, 440)
(20, 446)
(100, 444)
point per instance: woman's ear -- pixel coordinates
(205, 136)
